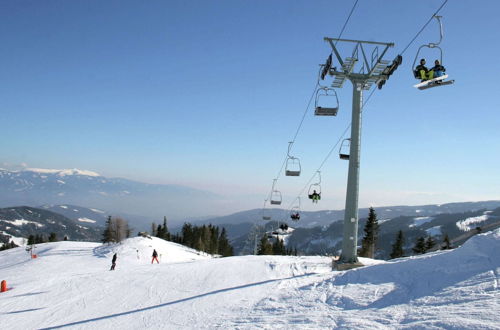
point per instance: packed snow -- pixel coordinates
(69, 285)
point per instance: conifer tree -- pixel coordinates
(53, 237)
(429, 243)
(369, 241)
(106, 235)
(31, 239)
(278, 247)
(419, 247)
(8, 245)
(446, 243)
(397, 247)
(166, 233)
(225, 249)
(265, 248)
(159, 231)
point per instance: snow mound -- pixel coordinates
(141, 249)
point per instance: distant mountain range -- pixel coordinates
(36, 187)
(19, 222)
(311, 219)
(321, 232)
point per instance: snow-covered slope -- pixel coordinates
(69, 285)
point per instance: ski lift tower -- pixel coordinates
(374, 70)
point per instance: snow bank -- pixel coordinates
(140, 250)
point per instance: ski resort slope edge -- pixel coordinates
(70, 286)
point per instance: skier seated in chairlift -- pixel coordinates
(438, 69)
(315, 196)
(421, 72)
(295, 216)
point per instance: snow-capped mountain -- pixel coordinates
(36, 187)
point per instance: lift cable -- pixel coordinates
(311, 98)
(365, 102)
(347, 21)
(334, 147)
(423, 27)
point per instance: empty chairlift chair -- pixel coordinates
(344, 149)
(276, 197)
(292, 167)
(292, 164)
(265, 212)
(327, 102)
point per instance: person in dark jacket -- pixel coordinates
(113, 262)
(422, 72)
(155, 256)
(438, 69)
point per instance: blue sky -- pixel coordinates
(208, 93)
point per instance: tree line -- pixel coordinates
(115, 230)
(277, 247)
(207, 238)
(368, 244)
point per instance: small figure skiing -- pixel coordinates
(155, 257)
(113, 262)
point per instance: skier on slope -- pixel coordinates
(155, 256)
(113, 262)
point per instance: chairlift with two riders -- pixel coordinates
(438, 81)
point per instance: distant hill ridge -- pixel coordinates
(36, 187)
(19, 222)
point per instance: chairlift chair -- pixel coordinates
(265, 212)
(315, 187)
(344, 149)
(323, 103)
(438, 81)
(275, 197)
(293, 167)
(295, 211)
